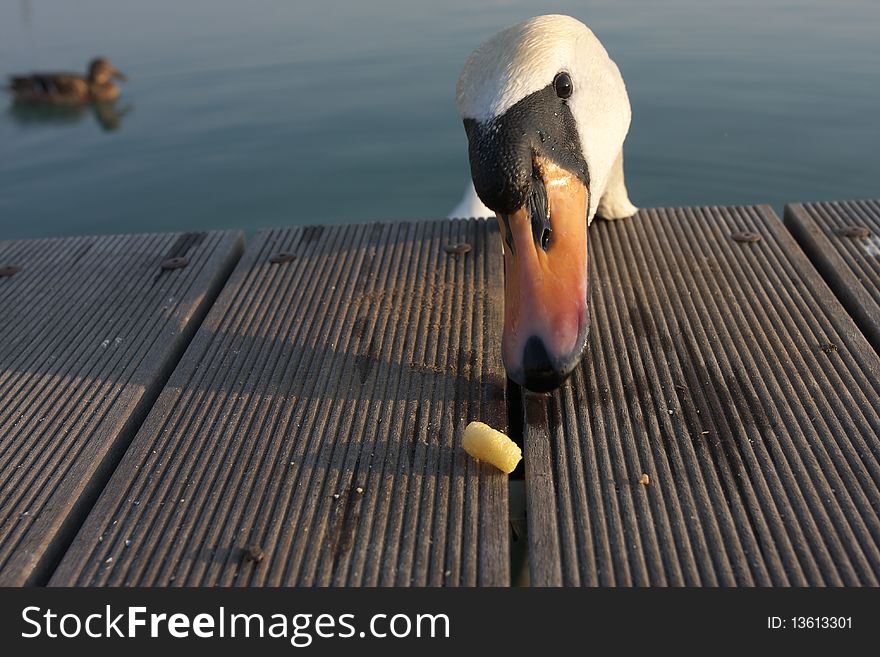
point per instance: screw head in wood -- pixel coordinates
(254, 553)
(175, 263)
(9, 270)
(282, 257)
(745, 236)
(459, 248)
(856, 232)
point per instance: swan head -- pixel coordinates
(545, 112)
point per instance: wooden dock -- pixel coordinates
(178, 411)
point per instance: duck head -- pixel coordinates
(545, 112)
(102, 72)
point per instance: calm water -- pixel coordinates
(258, 113)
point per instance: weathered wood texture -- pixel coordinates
(843, 242)
(729, 374)
(90, 329)
(311, 433)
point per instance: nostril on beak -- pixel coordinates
(545, 239)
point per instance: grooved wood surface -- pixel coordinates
(730, 374)
(90, 328)
(311, 433)
(847, 259)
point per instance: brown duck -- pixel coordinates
(68, 88)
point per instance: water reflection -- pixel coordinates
(108, 114)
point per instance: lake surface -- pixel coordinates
(252, 114)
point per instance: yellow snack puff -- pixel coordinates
(484, 443)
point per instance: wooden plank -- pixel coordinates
(315, 424)
(729, 374)
(90, 329)
(843, 242)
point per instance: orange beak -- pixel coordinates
(546, 283)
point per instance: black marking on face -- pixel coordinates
(502, 151)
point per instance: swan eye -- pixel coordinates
(562, 84)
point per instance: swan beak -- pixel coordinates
(546, 283)
(118, 75)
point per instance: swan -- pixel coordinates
(546, 113)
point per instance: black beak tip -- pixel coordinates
(539, 374)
